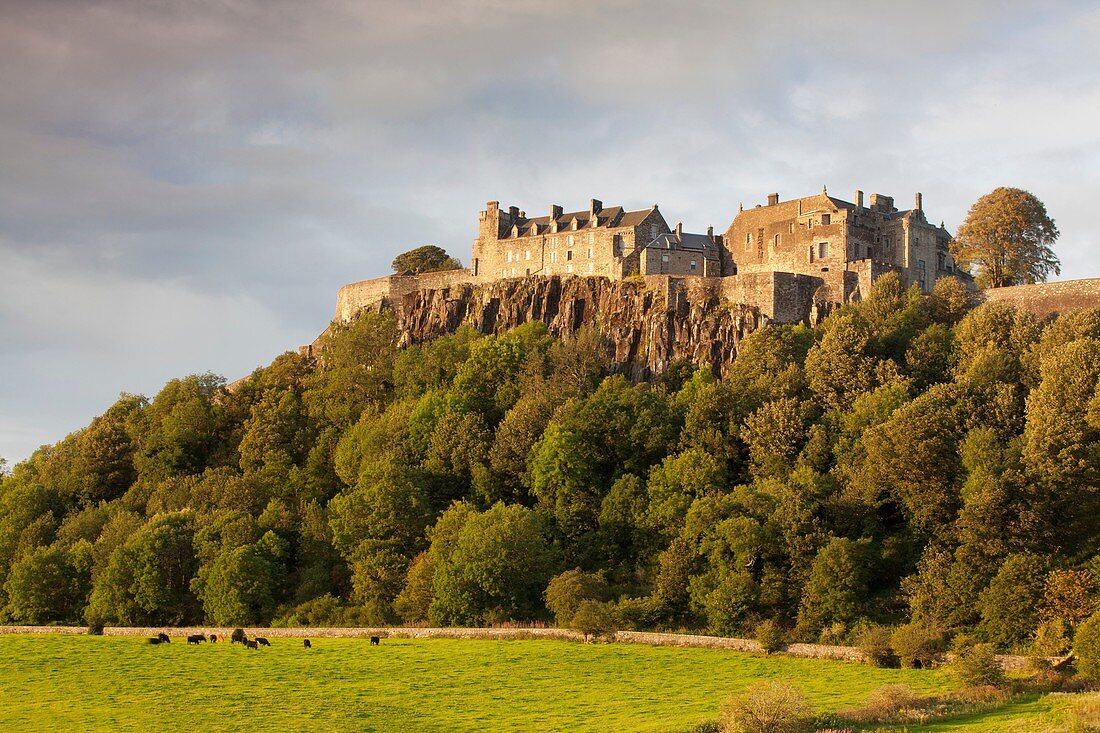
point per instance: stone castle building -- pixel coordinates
(791, 260)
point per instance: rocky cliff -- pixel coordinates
(650, 323)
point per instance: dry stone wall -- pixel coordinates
(1045, 299)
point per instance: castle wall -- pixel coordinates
(390, 291)
(1045, 299)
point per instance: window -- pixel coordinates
(664, 258)
(509, 256)
(790, 228)
(528, 272)
(553, 241)
(822, 249)
(652, 232)
(590, 266)
(941, 261)
(591, 236)
(553, 257)
(569, 241)
(513, 272)
(527, 254)
(569, 254)
(693, 265)
(589, 253)
(826, 219)
(569, 267)
(748, 241)
(922, 273)
(810, 223)
(775, 240)
(617, 244)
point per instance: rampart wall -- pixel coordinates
(1045, 299)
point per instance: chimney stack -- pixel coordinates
(773, 199)
(595, 206)
(859, 199)
(513, 213)
(679, 228)
(555, 211)
(919, 202)
(710, 232)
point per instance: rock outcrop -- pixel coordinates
(650, 322)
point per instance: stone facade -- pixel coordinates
(822, 235)
(790, 261)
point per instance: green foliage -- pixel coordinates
(566, 592)
(593, 618)
(909, 451)
(428, 258)
(770, 635)
(874, 641)
(776, 706)
(916, 645)
(1006, 239)
(976, 665)
(1086, 646)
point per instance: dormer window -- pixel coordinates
(515, 230)
(576, 223)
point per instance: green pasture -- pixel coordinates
(86, 683)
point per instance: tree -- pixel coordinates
(566, 592)
(1006, 237)
(1086, 645)
(1010, 605)
(428, 258)
(838, 585)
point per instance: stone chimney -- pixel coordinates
(710, 233)
(859, 199)
(555, 211)
(880, 202)
(918, 203)
(773, 199)
(595, 206)
(679, 229)
(513, 213)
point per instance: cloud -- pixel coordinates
(215, 170)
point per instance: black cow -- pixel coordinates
(213, 638)
(375, 641)
(262, 641)
(196, 639)
(251, 644)
(238, 637)
(155, 640)
(164, 637)
(306, 644)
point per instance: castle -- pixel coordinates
(791, 260)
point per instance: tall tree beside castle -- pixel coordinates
(1007, 237)
(428, 258)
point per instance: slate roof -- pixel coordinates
(607, 216)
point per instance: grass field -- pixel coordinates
(121, 683)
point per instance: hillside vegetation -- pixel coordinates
(909, 460)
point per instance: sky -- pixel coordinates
(185, 185)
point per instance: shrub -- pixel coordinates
(637, 613)
(977, 666)
(916, 645)
(95, 628)
(1051, 638)
(874, 641)
(765, 707)
(835, 634)
(593, 618)
(565, 593)
(770, 635)
(885, 704)
(1086, 645)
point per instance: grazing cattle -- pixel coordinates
(262, 641)
(306, 644)
(251, 644)
(196, 639)
(155, 640)
(213, 638)
(164, 637)
(375, 641)
(238, 636)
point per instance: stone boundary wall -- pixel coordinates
(1045, 299)
(392, 290)
(1010, 662)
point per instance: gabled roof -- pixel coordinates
(672, 240)
(613, 216)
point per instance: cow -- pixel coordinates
(164, 637)
(213, 638)
(262, 641)
(238, 637)
(251, 644)
(375, 641)
(306, 644)
(155, 640)
(196, 639)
